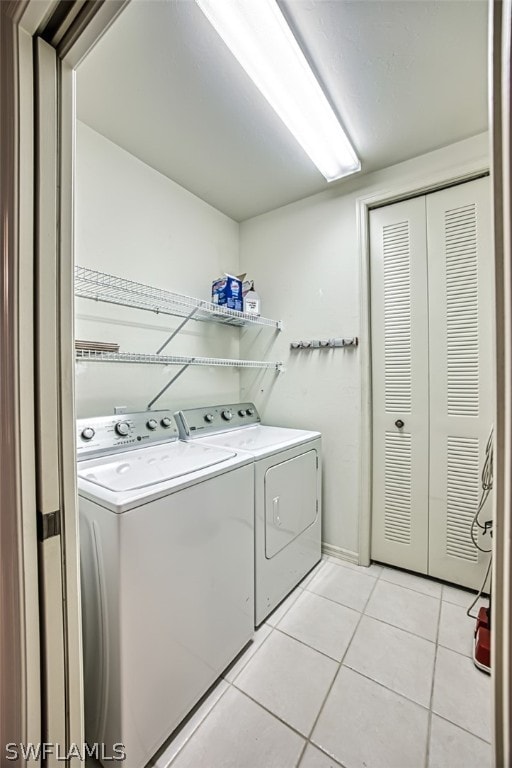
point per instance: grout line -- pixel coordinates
(281, 605)
(340, 665)
(322, 597)
(302, 752)
(447, 648)
(324, 753)
(269, 712)
(240, 656)
(386, 688)
(311, 592)
(470, 593)
(414, 634)
(465, 730)
(309, 647)
(200, 723)
(429, 727)
(364, 569)
(411, 589)
(359, 672)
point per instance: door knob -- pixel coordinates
(399, 423)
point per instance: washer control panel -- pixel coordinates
(123, 432)
(195, 422)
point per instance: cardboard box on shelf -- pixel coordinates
(227, 291)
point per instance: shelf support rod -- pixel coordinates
(177, 330)
(164, 389)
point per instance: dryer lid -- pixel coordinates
(261, 440)
(150, 466)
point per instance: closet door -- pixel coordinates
(460, 264)
(399, 326)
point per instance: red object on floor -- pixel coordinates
(482, 655)
(483, 619)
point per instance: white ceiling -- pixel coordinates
(405, 77)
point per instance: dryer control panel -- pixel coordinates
(123, 432)
(197, 422)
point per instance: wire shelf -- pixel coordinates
(132, 357)
(100, 286)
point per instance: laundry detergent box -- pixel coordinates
(227, 292)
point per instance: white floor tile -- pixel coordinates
(371, 570)
(364, 725)
(405, 609)
(458, 596)
(451, 747)
(462, 693)
(276, 616)
(326, 626)
(289, 679)
(400, 661)
(178, 742)
(412, 581)
(260, 636)
(314, 758)
(313, 572)
(239, 734)
(456, 629)
(343, 585)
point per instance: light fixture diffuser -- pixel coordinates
(258, 35)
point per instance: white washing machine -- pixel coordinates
(287, 492)
(167, 559)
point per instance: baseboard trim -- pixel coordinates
(340, 553)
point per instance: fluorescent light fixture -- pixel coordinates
(257, 34)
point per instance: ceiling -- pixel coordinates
(404, 76)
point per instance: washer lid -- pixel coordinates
(149, 466)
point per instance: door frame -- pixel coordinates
(41, 566)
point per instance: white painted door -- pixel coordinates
(400, 384)
(460, 277)
(432, 367)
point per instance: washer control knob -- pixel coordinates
(227, 415)
(242, 413)
(209, 417)
(88, 433)
(122, 428)
(166, 422)
(250, 411)
(152, 424)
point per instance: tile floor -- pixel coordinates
(359, 668)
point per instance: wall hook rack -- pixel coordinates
(325, 343)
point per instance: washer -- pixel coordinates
(287, 500)
(167, 558)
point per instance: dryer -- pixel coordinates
(167, 559)
(287, 492)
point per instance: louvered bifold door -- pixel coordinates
(399, 327)
(460, 263)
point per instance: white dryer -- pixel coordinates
(167, 558)
(287, 492)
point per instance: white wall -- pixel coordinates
(304, 257)
(134, 222)
(306, 263)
